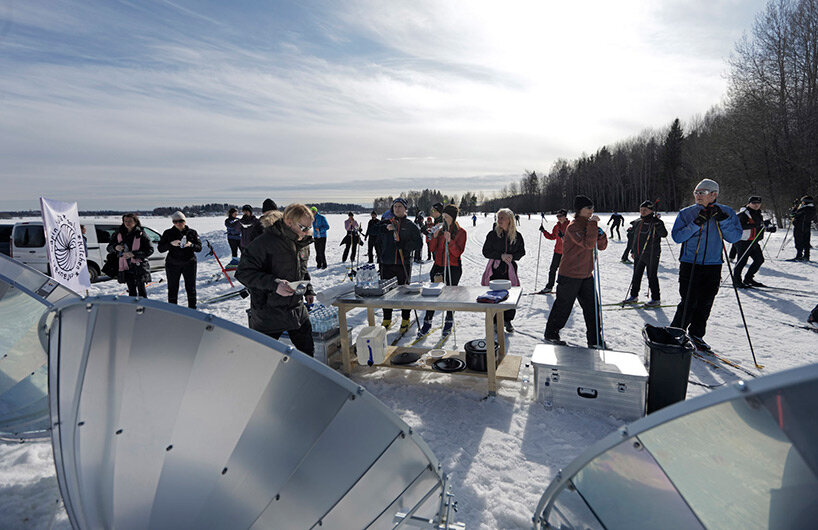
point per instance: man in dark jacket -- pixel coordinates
(181, 243)
(371, 241)
(749, 246)
(248, 223)
(270, 266)
(617, 220)
(647, 235)
(802, 227)
(398, 238)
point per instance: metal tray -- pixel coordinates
(384, 286)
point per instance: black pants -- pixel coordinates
(618, 233)
(452, 277)
(320, 252)
(350, 249)
(136, 285)
(628, 248)
(705, 280)
(300, 337)
(651, 263)
(234, 246)
(395, 271)
(372, 248)
(802, 245)
(174, 271)
(743, 255)
(570, 290)
(552, 270)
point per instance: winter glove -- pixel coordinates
(702, 218)
(600, 232)
(542, 229)
(718, 213)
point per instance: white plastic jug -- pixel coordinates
(371, 345)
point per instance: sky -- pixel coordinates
(120, 104)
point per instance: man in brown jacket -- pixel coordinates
(576, 274)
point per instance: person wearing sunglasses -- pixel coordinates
(701, 230)
(181, 243)
(278, 256)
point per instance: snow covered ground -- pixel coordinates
(502, 452)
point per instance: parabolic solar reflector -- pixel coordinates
(25, 294)
(741, 457)
(165, 417)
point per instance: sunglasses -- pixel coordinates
(303, 228)
(178, 221)
(702, 192)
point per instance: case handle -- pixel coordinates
(587, 393)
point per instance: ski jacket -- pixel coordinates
(581, 238)
(408, 240)
(751, 223)
(495, 246)
(276, 254)
(351, 225)
(556, 234)
(248, 222)
(176, 255)
(706, 237)
(647, 236)
(370, 228)
(617, 220)
(457, 244)
(233, 228)
(319, 226)
(803, 218)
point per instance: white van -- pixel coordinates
(28, 245)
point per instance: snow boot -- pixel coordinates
(387, 323)
(404, 326)
(553, 338)
(626, 260)
(699, 343)
(545, 290)
(448, 324)
(509, 327)
(752, 283)
(594, 346)
(425, 328)
(653, 303)
(630, 300)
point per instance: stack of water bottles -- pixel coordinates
(323, 319)
(367, 276)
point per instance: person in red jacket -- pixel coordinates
(576, 275)
(556, 234)
(447, 243)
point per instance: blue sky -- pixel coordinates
(147, 103)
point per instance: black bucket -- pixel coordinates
(476, 355)
(670, 350)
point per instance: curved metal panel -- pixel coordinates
(742, 456)
(25, 294)
(169, 418)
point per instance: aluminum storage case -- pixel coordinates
(605, 380)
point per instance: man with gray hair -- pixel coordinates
(701, 230)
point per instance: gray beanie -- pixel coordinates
(707, 184)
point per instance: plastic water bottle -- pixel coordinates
(182, 242)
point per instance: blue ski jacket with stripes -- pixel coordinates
(686, 232)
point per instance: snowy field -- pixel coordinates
(502, 452)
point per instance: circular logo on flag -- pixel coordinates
(66, 245)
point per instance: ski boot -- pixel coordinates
(545, 290)
(425, 328)
(653, 303)
(387, 323)
(627, 261)
(699, 343)
(553, 338)
(509, 327)
(594, 346)
(233, 263)
(404, 326)
(630, 300)
(448, 324)
(749, 282)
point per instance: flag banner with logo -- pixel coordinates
(64, 242)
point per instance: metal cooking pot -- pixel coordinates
(476, 355)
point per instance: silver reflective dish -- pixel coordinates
(742, 457)
(25, 294)
(165, 417)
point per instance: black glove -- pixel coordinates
(600, 232)
(718, 213)
(702, 218)
(542, 229)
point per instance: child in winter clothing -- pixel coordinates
(556, 234)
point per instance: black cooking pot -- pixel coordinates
(476, 355)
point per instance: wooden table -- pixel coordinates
(453, 298)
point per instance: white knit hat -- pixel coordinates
(708, 184)
(178, 216)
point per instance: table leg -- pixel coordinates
(370, 315)
(501, 333)
(345, 353)
(490, 354)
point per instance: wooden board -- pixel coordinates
(509, 367)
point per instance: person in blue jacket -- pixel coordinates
(233, 225)
(319, 236)
(700, 229)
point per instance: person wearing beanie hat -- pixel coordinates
(504, 246)
(618, 220)
(268, 205)
(233, 226)
(372, 247)
(397, 239)
(802, 220)
(582, 239)
(319, 238)
(556, 234)
(701, 229)
(753, 228)
(181, 243)
(248, 223)
(352, 238)
(646, 235)
(267, 208)
(447, 245)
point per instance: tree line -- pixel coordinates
(763, 140)
(422, 201)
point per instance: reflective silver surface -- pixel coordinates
(453, 297)
(169, 418)
(742, 457)
(24, 296)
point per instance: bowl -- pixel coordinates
(500, 285)
(436, 354)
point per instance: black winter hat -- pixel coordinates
(754, 198)
(581, 201)
(247, 208)
(452, 210)
(562, 211)
(646, 204)
(438, 206)
(268, 204)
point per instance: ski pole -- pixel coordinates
(785, 240)
(403, 263)
(218, 261)
(743, 255)
(738, 298)
(448, 282)
(690, 280)
(600, 332)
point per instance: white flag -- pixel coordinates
(66, 249)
